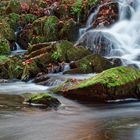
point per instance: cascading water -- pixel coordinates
(122, 40)
(17, 49)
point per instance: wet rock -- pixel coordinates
(40, 78)
(90, 64)
(69, 53)
(4, 81)
(44, 99)
(116, 61)
(72, 65)
(39, 46)
(112, 84)
(99, 42)
(23, 37)
(56, 53)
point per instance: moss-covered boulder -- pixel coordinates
(45, 53)
(46, 27)
(44, 99)
(17, 68)
(68, 52)
(90, 64)
(116, 83)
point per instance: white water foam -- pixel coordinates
(124, 36)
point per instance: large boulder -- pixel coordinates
(116, 83)
(46, 27)
(90, 64)
(100, 42)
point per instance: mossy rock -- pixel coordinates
(69, 53)
(116, 83)
(93, 63)
(4, 46)
(44, 99)
(13, 20)
(47, 27)
(11, 68)
(29, 71)
(49, 52)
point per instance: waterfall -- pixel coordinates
(122, 40)
(17, 49)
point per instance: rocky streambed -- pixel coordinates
(68, 77)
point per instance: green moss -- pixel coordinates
(70, 53)
(3, 58)
(62, 86)
(51, 29)
(111, 78)
(41, 96)
(29, 70)
(13, 20)
(29, 18)
(45, 99)
(11, 68)
(56, 56)
(4, 46)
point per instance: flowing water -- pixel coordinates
(122, 39)
(74, 120)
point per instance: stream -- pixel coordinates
(75, 120)
(72, 121)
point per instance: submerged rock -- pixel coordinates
(44, 99)
(11, 102)
(112, 84)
